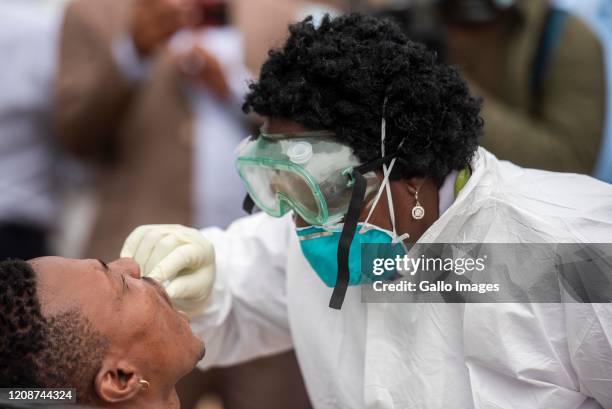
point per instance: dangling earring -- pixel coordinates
(418, 212)
(144, 385)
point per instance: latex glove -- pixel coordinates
(178, 257)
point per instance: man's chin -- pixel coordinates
(199, 349)
(197, 345)
(202, 350)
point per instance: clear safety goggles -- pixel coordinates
(308, 172)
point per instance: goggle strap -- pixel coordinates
(346, 238)
(248, 204)
(349, 228)
(375, 164)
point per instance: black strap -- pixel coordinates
(346, 238)
(248, 204)
(375, 164)
(350, 226)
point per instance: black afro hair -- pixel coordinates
(339, 75)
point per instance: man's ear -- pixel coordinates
(117, 381)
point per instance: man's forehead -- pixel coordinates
(60, 272)
(65, 284)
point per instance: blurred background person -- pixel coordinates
(218, 122)
(541, 74)
(598, 15)
(123, 98)
(540, 70)
(119, 105)
(29, 203)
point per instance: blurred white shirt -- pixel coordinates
(219, 126)
(28, 47)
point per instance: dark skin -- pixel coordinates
(148, 339)
(403, 193)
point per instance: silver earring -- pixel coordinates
(418, 212)
(144, 385)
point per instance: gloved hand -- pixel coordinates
(180, 258)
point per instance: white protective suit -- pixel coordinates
(432, 356)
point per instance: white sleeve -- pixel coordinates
(247, 313)
(589, 329)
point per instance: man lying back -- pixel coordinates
(98, 328)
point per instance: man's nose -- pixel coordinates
(127, 265)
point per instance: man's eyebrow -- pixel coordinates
(124, 285)
(103, 264)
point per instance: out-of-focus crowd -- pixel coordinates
(119, 113)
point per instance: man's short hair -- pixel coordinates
(62, 351)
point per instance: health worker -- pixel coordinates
(369, 138)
